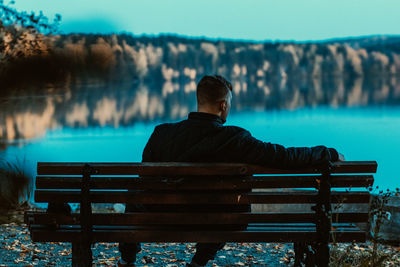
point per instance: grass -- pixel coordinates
(14, 187)
(363, 255)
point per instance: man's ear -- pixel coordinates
(223, 105)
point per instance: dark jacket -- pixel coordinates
(203, 138)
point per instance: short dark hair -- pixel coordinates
(211, 89)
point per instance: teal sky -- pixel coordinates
(298, 20)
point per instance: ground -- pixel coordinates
(17, 249)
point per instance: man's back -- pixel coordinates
(203, 138)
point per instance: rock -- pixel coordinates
(120, 208)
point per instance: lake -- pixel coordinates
(104, 123)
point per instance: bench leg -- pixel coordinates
(81, 255)
(304, 255)
(322, 254)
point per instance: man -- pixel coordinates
(203, 138)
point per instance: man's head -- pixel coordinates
(214, 94)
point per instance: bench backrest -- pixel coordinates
(201, 184)
(173, 183)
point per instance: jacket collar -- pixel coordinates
(206, 117)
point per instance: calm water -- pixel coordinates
(358, 133)
(114, 126)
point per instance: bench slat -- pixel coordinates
(300, 197)
(193, 218)
(253, 235)
(271, 227)
(190, 183)
(173, 168)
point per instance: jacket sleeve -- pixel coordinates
(258, 152)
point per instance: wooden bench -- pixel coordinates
(173, 183)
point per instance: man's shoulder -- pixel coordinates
(167, 127)
(171, 128)
(176, 125)
(163, 126)
(236, 129)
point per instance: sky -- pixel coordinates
(259, 20)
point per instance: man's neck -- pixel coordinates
(212, 113)
(209, 111)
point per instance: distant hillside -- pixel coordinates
(371, 43)
(179, 59)
(183, 60)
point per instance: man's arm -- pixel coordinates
(251, 150)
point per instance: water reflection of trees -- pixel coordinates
(116, 104)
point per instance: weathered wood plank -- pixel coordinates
(271, 235)
(174, 168)
(202, 183)
(193, 218)
(197, 198)
(298, 227)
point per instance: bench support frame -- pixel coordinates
(324, 218)
(81, 250)
(317, 253)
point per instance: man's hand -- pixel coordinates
(341, 157)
